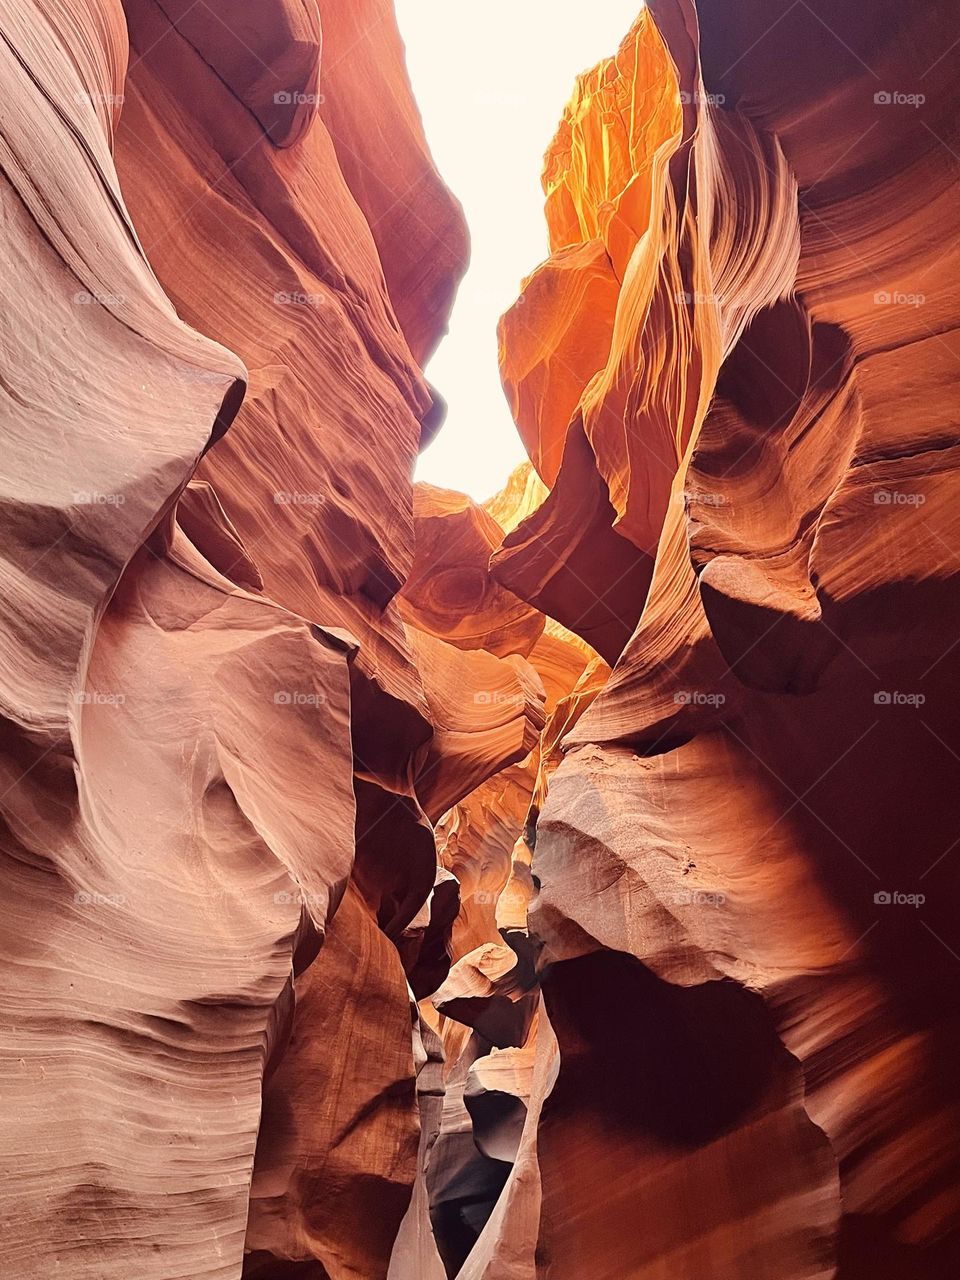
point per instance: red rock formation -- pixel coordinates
(219, 753)
(551, 890)
(754, 1029)
(369, 111)
(592, 407)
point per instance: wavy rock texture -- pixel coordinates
(219, 760)
(396, 887)
(748, 920)
(485, 1012)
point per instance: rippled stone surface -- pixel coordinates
(398, 887)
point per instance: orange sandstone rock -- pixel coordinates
(397, 887)
(368, 108)
(752, 1035)
(214, 721)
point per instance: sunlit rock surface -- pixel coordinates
(397, 887)
(747, 905)
(218, 747)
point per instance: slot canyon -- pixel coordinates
(399, 886)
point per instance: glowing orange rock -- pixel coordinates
(449, 591)
(716, 849)
(552, 342)
(310, 779)
(601, 425)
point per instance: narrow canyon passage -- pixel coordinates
(398, 886)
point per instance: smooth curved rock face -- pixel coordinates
(215, 734)
(449, 592)
(552, 342)
(369, 110)
(268, 56)
(746, 904)
(335, 1162)
(396, 888)
(579, 364)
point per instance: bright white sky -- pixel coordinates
(491, 81)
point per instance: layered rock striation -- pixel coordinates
(397, 887)
(223, 744)
(746, 908)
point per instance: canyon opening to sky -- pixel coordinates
(488, 117)
(480, 737)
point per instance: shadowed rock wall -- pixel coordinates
(397, 887)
